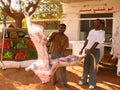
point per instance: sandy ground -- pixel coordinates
(19, 79)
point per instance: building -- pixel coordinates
(78, 16)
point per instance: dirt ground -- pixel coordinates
(19, 79)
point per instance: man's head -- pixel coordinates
(98, 24)
(62, 28)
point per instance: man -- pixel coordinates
(58, 43)
(95, 37)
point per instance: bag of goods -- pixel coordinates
(13, 35)
(20, 34)
(11, 44)
(20, 55)
(31, 54)
(29, 43)
(8, 55)
(21, 44)
(6, 44)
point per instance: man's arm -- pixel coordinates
(92, 48)
(83, 46)
(51, 36)
(66, 44)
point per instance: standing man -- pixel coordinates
(95, 37)
(58, 43)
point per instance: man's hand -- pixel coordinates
(80, 52)
(26, 15)
(88, 52)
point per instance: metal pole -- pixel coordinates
(3, 37)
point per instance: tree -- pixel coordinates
(15, 8)
(49, 9)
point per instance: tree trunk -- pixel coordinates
(19, 22)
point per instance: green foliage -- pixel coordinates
(8, 55)
(48, 9)
(8, 18)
